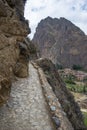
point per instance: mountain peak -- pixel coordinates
(61, 24)
(61, 41)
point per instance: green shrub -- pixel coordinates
(77, 67)
(76, 88)
(85, 88)
(59, 66)
(71, 87)
(69, 81)
(85, 118)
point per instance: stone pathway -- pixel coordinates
(26, 109)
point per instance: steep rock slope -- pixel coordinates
(13, 29)
(62, 42)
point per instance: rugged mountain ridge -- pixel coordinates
(62, 42)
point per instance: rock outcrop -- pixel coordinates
(62, 42)
(32, 49)
(13, 29)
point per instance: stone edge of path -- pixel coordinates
(58, 116)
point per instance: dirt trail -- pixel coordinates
(26, 109)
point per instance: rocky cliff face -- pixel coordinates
(13, 29)
(62, 42)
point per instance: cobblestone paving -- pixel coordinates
(26, 108)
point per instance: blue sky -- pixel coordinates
(73, 10)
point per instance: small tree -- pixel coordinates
(77, 67)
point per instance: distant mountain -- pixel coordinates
(62, 42)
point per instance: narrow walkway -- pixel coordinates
(26, 108)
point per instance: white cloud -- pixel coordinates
(73, 10)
